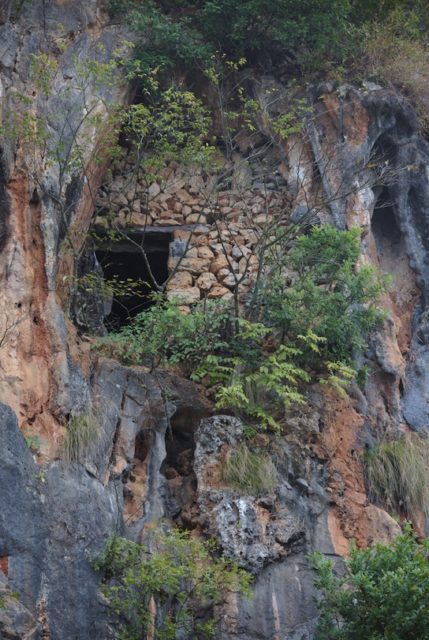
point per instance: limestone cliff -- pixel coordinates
(55, 514)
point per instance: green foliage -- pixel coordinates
(259, 391)
(372, 10)
(82, 433)
(397, 475)
(317, 33)
(384, 594)
(172, 124)
(169, 588)
(164, 335)
(330, 295)
(187, 32)
(259, 369)
(251, 472)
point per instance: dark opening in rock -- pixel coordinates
(387, 234)
(180, 442)
(178, 465)
(124, 265)
(144, 441)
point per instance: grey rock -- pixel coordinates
(51, 521)
(16, 622)
(282, 606)
(5, 10)
(253, 531)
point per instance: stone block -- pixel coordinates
(205, 252)
(187, 295)
(219, 291)
(194, 265)
(206, 281)
(180, 280)
(219, 263)
(154, 190)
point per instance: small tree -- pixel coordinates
(169, 589)
(384, 594)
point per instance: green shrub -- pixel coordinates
(329, 296)
(83, 431)
(183, 578)
(384, 594)
(260, 391)
(171, 124)
(250, 471)
(397, 475)
(164, 335)
(189, 34)
(182, 32)
(259, 368)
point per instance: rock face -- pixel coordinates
(156, 451)
(268, 535)
(51, 521)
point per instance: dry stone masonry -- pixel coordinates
(215, 229)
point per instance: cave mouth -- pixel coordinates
(122, 261)
(386, 231)
(180, 441)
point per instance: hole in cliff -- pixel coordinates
(178, 465)
(124, 266)
(143, 443)
(387, 234)
(180, 444)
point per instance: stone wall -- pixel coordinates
(216, 229)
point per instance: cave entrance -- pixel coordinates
(387, 234)
(393, 259)
(122, 261)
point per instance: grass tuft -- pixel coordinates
(82, 433)
(250, 472)
(397, 475)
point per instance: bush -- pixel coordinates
(169, 590)
(330, 296)
(182, 32)
(384, 594)
(259, 368)
(250, 471)
(397, 475)
(163, 335)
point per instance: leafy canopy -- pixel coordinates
(189, 33)
(384, 594)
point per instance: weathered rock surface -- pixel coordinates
(269, 535)
(51, 521)
(157, 453)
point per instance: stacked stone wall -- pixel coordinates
(216, 230)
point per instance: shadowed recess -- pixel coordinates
(123, 264)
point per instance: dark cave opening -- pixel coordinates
(123, 265)
(386, 231)
(178, 464)
(180, 442)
